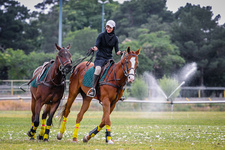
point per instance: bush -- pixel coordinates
(168, 85)
(139, 89)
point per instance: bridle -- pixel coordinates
(125, 68)
(64, 66)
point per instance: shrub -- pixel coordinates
(139, 89)
(168, 85)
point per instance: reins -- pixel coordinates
(78, 61)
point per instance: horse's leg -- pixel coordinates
(35, 123)
(107, 110)
(84, 108)
(71, 98)
(53, 109)
(44, 116)
(31, 133)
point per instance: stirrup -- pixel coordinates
(91, 92)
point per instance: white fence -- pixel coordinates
(9, 90)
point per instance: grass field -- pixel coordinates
(130, 130)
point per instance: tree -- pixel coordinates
(81, 40)
(145, 64)
(15, 31)
(215, 71)
(134, 13)
(192, 33)
(159, 49)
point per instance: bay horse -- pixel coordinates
(49, 91)
(111, 90)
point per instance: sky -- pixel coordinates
(172, 5)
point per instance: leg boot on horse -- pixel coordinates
(49, 121)
(84, 108)
(43, 122)
(36, 108)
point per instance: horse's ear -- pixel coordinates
(57, 46)
(138, 51)
(128, 49)
(68, 47)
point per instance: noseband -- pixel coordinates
(125, 68)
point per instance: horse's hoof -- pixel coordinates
(59, 136)
(85, 140)
(32, 139)
(45, 140)
(28, 133)
(75, 140)
(110, 142)
(40, 137)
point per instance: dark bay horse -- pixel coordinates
(111, 90)
(49, 91)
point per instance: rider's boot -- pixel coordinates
(92, 91)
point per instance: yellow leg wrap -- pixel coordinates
(46, 134)
(48, 127)
(63, 127)
(99, 129)
(42, 132)
(109, 138)
(33, 128)
(95, 131)
(108, 130)
(76, 129)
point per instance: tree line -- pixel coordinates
(168, 40)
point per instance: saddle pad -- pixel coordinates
(88, 77)
(34, 82)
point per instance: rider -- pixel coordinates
(104, 46)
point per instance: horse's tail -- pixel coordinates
(62, 112)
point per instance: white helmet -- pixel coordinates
(111, 23)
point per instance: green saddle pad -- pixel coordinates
(88, 77)
(34, 82)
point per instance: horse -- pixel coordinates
(49, 91)
(111, 90)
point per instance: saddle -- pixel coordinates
(88, 77)
(42, 70)
(40, 73)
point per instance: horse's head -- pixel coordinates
(129, 64)
(63, 59)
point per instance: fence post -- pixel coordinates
(11, 87)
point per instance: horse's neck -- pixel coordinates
(119, 73)
(55, 74)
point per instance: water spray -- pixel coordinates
(176, 89)
(158, 88)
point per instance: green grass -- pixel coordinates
(130, 130)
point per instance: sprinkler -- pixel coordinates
(176, 90)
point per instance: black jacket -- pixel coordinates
(105, 43)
